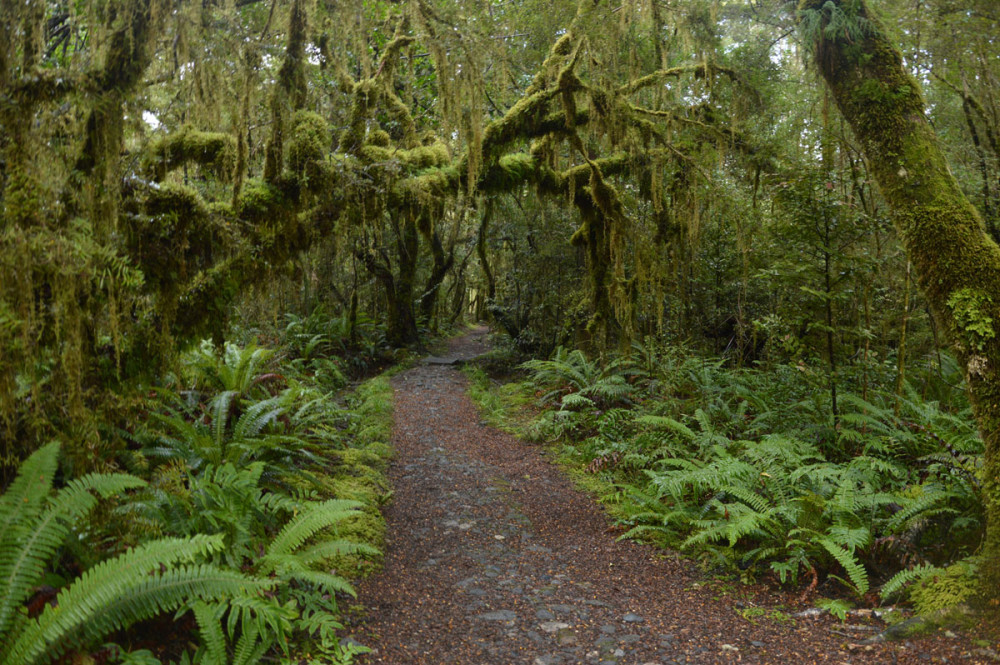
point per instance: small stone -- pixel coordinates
(729, 648)
(545, 615)
(632, 618)
(629, 639)
(565, 637)
(608, 629)
(350, 641)
(548, 659)
(553, 626)
(618, 653)
(499, 615)
(563, 608)
(755, 643)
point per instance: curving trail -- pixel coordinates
(495, 559)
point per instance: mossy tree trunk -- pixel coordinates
(401, 320)
(443, 261)
(956, 263)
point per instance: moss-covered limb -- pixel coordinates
(957, 264)
(368, 93)
(213, 150)
(562, 48)
(431, 156)
(45, 85)
(702, 70)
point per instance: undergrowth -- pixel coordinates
(253, 502)
(747, 470)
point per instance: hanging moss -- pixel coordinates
(214, 151)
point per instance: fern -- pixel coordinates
(37, 522)
(906, 577)
(159, 576)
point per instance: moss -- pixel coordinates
(259, 202)
(173, 200)
(943, 233)
(429, 189)
(213, 150)
(423, 157)
(379, 137)
(308, 147)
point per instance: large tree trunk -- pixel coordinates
(956, 263)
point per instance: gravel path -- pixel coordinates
(495, 559)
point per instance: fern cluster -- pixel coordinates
(254, 480)
(159, 576)
(745, 467)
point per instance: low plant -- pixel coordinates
(159, 576)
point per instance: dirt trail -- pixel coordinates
(495, 559)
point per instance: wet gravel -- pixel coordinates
(495, 559)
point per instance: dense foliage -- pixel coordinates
(216, 214)
(744, 468)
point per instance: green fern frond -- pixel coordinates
(332, 584)
(209, 619)
(23, 499)
(118, 592)
(32, 539)
(855, 571)
(906, 577)
(310, 522)
(329, 549)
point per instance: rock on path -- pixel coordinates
(494, 559)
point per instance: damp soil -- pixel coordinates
(494, 558)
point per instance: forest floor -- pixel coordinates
(494, 558)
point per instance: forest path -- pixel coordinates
(494, 558)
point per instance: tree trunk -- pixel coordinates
(402, 320)
(443, 261)
(956, 263)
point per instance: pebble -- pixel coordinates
(632, 618)
(544, 615)
(565, 637)
(499, 615)
(553, 626)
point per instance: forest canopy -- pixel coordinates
(769, 185)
